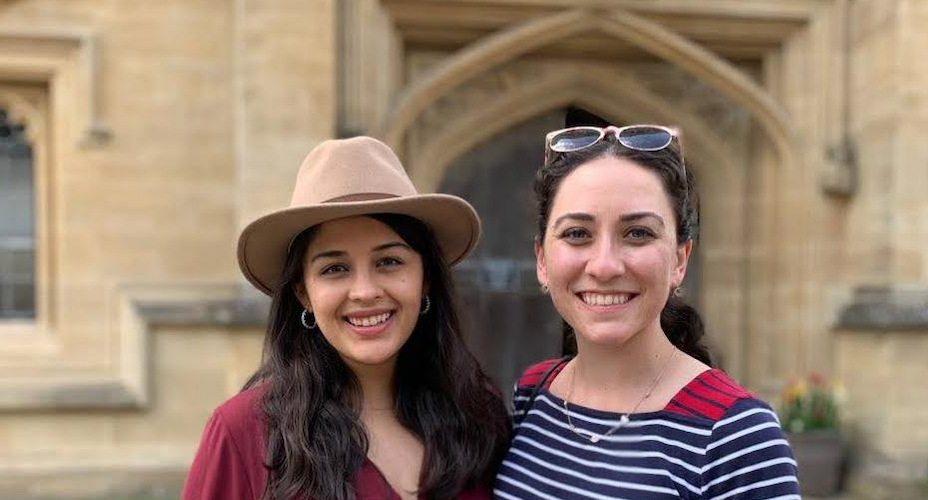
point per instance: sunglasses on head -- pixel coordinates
(636, 137)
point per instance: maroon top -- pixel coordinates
(229, 465)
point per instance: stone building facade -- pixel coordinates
(156, 130)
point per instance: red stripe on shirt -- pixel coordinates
(532, 375)
(719, 380)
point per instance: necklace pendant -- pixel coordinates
(594, 439)
(623, 420)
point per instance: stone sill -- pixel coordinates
(883, 308)
(245, 312)
(129, 388)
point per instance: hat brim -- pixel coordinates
(263, 244)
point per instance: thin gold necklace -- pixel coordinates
(624, 419)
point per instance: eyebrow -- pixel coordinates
(634, 216)
(575, 216)
(341, 253)
(642, 215)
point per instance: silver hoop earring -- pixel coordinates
(305, 323)
(426, 305)
(544, 289)
(678, 292)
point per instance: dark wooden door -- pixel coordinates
(509, 322)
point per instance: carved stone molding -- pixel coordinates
(509, 98)
(136, 311)
(250, 312)
(67, 62)
(509, 44)
(885, 308)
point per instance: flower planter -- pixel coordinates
(819, 455)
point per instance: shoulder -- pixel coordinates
(229, 462)
(710, 395)
(238, 424)
(526, 384)
(746, 416)
(748, 453)
(242, 413)
(533, 374)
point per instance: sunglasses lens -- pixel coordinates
(572, 140)
(645, 138)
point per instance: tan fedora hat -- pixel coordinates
(347, 177)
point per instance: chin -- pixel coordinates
(374, 358)
(603, 335)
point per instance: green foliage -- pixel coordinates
(810, 404)
(925, 484)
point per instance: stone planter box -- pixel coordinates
(820, 456)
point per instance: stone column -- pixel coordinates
(285, 96)
(882, 330)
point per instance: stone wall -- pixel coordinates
(881, 329)
(163, 129)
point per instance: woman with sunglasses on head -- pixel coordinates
(366, 389)
(638, 413)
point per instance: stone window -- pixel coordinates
(17, 222)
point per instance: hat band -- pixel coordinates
(361, 197)
(348, 198)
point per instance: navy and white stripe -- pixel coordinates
(713, 441)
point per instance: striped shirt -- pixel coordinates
(713, 440)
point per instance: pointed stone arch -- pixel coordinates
(23, 111)
(613, 96)
(497, 49)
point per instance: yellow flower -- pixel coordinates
(798, 389)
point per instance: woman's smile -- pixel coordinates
(606, 300)
(371, 322)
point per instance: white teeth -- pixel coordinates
(601, 299)
(370, 320)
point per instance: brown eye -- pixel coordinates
(641, 234)
(389, 262)
(333, 269)
(575, 234)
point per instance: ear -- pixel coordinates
(541, 269)
(683, 258)
(299, 289)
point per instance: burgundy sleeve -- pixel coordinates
(476, 493)
(219, 471)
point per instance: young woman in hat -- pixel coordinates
(366, 389)
(638, 413)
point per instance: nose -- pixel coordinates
(364, 288)
(605, 261)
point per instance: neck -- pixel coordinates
(376, 382)
(631, 367)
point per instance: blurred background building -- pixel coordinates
(137, 138)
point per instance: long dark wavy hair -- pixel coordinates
(680, 321)
(316, 442)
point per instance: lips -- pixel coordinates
(369, 322)
(600, 299)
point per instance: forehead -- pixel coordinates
(610, 186)
(352, 232)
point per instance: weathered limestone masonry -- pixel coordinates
(159, 129)
(882, 332)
